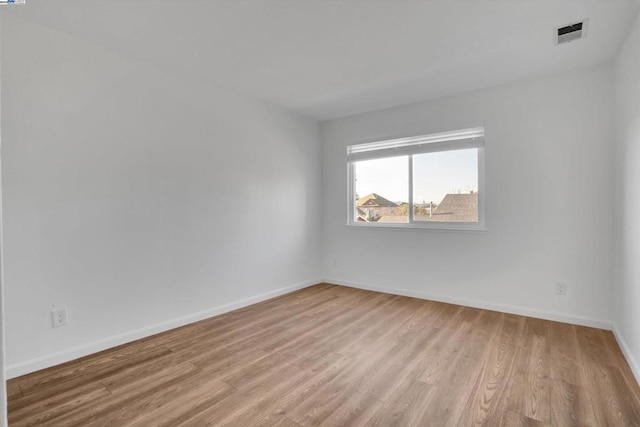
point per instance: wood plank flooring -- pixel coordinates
(337, 356)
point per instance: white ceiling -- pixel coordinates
(331, 58)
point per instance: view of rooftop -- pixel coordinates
(454, 207)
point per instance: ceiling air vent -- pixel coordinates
(571, 32)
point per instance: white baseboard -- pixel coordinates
(22, 368)
(18, 369)
(633, 364)
(523, 311)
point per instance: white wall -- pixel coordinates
(3, 384)
(549, 180)
(627, 295)
(141, 200)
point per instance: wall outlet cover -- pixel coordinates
(561, 288)
(59, 317)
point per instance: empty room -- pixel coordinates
(320, 212)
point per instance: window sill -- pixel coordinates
(443, 227)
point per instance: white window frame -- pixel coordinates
(438, 142)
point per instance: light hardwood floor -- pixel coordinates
(336, 356)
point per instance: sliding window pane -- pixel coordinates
(445, 186)
(382, 190)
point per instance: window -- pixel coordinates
(429, 181)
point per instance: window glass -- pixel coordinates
(445, 186)
(382, 190)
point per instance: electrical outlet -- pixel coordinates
(561, 288)
(59, 317)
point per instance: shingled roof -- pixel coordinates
(374, 200)
(457, 208)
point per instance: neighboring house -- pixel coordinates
(452, 208)
(457, 208)
(362, 215)
(373, 206)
